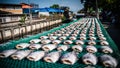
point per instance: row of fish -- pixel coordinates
(65, 41)
(52, 57)
(77, 48)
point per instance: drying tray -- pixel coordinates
(24, 63)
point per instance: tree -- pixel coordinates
(110, 7)
(54, 6)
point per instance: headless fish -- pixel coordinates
(92, 42)
(56, 42)
(104, 43)
(35, 41)
(63, 48)
(45, 41)
(43, 37)
(49, 47)
(89, 59)
(106, 49)
(20, 54)
(35, 56)
(79, 42)
(77, 48)
(108, 61)
(69, 58)
(52, 57)
(91, 49)
(35, 46)
(67, 42)
(62, 38)
(7, 53)
(22, 45)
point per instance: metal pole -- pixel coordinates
(97, 11)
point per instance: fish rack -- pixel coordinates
(24, 63)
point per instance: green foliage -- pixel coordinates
(54, 6)
(22, 20)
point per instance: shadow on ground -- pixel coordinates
(114, 33)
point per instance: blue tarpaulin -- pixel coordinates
(34, 10)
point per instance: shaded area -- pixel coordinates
(114, 32)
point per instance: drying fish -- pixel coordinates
(91, 49)
(63, 47)
(7, 53)
(106, 49)
(52, 57)
(35, 41)
(92, 38)
(58, 34)
(82, 38)
(20, 54)
(82, 35)
(91, 42)
(108, 61)
(49, 47)
(77, 48)
(62, 38)
(67, 42)
(91, 35)
(69, 58)
(72, 38)
(104, 43)
(79, 42)
(89, 59)
(22, 45)
(45, 41)
(102, 38)
(56, 42)
(35, 56)
(43, 37)
(53, 37)
(66, 34)
(74, 35)
(35, 46)
(100, 35)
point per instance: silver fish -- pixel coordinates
(106, 49)
(22, 45)
(104, 43)
(45, 41)
(69, 58)
(7, 53)
(62, 38)
(52, 57)
(79, 42)
(49, 47)
(35, 41)
(35, 46)
(91, 49)
(20, 54)
(35, 56)
(72, 38)
(67, 42)
(56, 42)
(63, 47)
(43, 37)
(91, 42)
(108, 61)
(77, 48)
(89, 59)
(53, 37)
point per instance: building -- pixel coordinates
(24, 5)
(11, 9)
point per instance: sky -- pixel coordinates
(74, 5)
